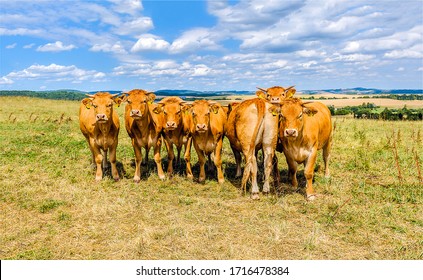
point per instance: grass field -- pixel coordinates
(51, 207)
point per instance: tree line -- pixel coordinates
(371, 111)
(56, 94)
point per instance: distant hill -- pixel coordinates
(70, 94)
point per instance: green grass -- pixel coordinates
(51, 207)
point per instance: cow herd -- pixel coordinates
(273, 121)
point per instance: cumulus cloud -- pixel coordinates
(149, 42)
(11, 46)
(55, 72)
(55, 47)
(106, 47)
(194, 40)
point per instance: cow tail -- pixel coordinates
(251, 153)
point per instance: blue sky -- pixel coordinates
(210, 45)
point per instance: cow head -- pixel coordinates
(291, 116)
(102, 103)
(200, 111)
(276, 94)
(137, 102)
(171, 107)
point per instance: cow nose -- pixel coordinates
(101, 117)
(291, 132)
(171, 124)
(275, 99)
(201, 126)
(135, 113)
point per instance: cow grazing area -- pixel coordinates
(52, 208)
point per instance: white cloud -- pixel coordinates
(5, 81)
(55, 72)
(134, 27)
(106, 47)
(29, 46)
(55, 47)
(131, 7)
(413, 52)
(150, 42)
(194, 40)
(11, 46)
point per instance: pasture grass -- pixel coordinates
(52, 208)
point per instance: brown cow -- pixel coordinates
(173, 129)
(276, 94)
(144, 128)
(304, 129)
(100, 125)
(251, 126)
(207, 127)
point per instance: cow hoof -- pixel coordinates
(162, 177)
(98, 179)
(311, 197)
(221, 181)
(255, 196)
(189, 176)
(117, 179)
(266, 193)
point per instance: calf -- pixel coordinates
(251, 126)
(144, 128)
(207, 127)
(276, 94)
(99, 123)
(304, 129)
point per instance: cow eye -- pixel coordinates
(164, 112)
(109, 105)
(178, 113)
(300, 116)
(129, 101)
(95, 106)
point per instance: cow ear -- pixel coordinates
(214, 108)
(290, 92)
(150, 97)
(158, 109)
(261, 94)
(309, 110)
(275, 110)
(186, 107)
(88, 102)
(120, 99)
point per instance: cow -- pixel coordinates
(99, 123)
(251, 126)
(173, 130)
(305, 128)
(276, 94)
(207, 128)
(144, 127)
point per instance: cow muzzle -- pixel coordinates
(290, 132)
(171, 125)
(201, 128)
(275, 100)
(135, 114)
(101, 118)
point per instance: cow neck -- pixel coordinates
(174, 133)
(104, 128)
(144, 120)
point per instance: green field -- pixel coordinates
(51, 207)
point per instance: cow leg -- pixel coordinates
(145, 159)
(178, 158)
(138, 158)
(309, 172)
(292, 172)
(238, 159)
(112, 152)
(326, 157)
(276, 175)
(254, 186)
(268, 159)
(187, 157)
(98, 157)
(158, 159)
(170, 156)
(202, 161)
(218, 160)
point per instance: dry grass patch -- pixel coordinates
(51, 207)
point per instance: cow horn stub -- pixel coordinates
(263, 90)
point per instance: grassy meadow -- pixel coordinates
(51, 207)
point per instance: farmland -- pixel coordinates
(51, 207)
